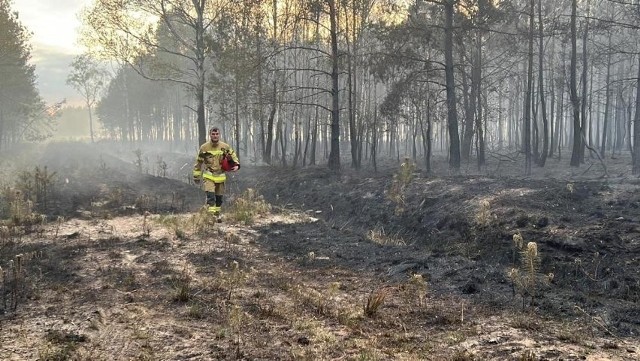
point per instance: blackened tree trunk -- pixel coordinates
(636, 129)
(607, 104)
(526, 134)
(334, 154)
(543, 103)
(452, 115)
(576, 151)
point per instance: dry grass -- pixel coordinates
(225, 295)
(374, 301)
(246, 207)
(267, 286)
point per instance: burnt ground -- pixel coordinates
(587, 231)
(104, 281)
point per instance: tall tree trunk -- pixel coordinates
(374, 133)
(573, 88)
(297, 143)
(469, 105)
(607, 103)
(314, 138)
(236, 115)
(266, 156)
(2, 120)
(543, 103)
(281, 139)
(560, 124)
(500, 123)
(352, 87)
(526, 134)
(90, 120)
(553, 115)
(269, 142)
(636, 129)
(334, 154)
(426, 132)
(260, 97)
(477, 88)
(452, 115)
(307, 141)
(200, 70)
(583, 78)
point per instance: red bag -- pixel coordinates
(226, 164)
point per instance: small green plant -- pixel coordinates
(322, 302)
(462, 355)
(175, 224)
(525, 278)
(13, 282)
(182, 285)
(178, 200)
(375, 300)
(571, 188)
(102, 167)
(369, 355)
(401, 181)
(379, 236)
(235, 320)
(143, 203)
(138, 161)
(162, 167)
(483, 215)
(5, 235)
(35, 187)
(569, 335)
(44, 181)
(129, 280)
(231, 238)
(416, 289)
(528, 356)
(203, 222)
(146, 224)
(406, 173)
(115, 197)
(59, 222)
(233, 279)
(196, 311)
(179, 233)
(56, 352)
(20, 207)
(248, 206)
(526, 322)
(518, 242)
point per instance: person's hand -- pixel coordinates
(235, 168)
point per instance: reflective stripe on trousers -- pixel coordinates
(216, 178)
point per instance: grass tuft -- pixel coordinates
(375, 300)
(247, 207)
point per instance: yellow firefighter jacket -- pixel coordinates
(208, 162)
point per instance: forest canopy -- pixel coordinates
(307, 82)
(23, 114)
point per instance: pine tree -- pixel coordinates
(20, 104)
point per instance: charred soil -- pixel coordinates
(356, 265)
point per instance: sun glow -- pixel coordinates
(51, 24)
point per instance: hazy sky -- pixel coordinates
(54, 25)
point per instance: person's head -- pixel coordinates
(214, 134)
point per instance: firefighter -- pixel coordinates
(213, 160)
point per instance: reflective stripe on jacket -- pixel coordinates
(208, 161)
